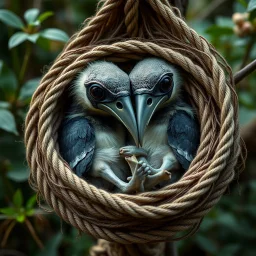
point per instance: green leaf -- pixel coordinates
(9, 211)
(31, 15)
(54, 34)
(21, 218)
(11, 19)
(17, 170)
(44, 43)
(30, 212)
(247, 99)
(52, 246)
(5, 104)
(33, 38)
(252, 15)
(31, 202)
(218, 31)
(7, 121)
(8, 83)
(17, 39)
(44, 16)
(243, 3)
(18, 199)
(251, 6)
(224, 22)
(228, 221)
(206, 244)
(18, 174)
(229, 250)
(29, 88)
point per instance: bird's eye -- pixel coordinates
(97, 92)
(166, 84)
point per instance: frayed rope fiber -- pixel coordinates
(121, 31)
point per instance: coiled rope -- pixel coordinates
(122, 31)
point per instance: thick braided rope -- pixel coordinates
(131, 17)
(177, 207)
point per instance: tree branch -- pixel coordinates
(248, 132)
(211, 7)
(247, 70)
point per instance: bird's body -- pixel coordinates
(168, 129)
(108, 140)
(101, 122)
(165, 148)
(91, 134)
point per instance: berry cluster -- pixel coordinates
(243, 27)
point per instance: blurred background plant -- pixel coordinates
(32, 35)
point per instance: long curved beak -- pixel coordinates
(146, 105)
(122, 109)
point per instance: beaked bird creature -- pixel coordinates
(92, 133)
(167, 127)
(94, 142)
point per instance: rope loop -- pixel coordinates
(131, 12)
(159, 31)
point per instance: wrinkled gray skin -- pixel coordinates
(168, 130)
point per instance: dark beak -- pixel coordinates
(146, 105)
(122, 109)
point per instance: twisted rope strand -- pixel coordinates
(209, 82)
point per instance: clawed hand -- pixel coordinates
(144, 177)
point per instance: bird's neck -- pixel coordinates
(178, 104)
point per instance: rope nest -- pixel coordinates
(122, 31)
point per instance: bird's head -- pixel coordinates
(155, 84)
(102, 88)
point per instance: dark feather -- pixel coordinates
(183, 137)
(77, 144)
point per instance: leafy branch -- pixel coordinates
(29, 33)
(18, 213)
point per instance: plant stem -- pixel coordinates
(14, 53)
(33, 233)
(7, 233)
(21, 75)
(248, 52)
(25, 64)
(247, 70)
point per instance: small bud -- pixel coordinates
(238, 18)
(238, 31)
(247, 28)
(246, 15)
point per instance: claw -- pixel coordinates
(153, 180)
(132, 162)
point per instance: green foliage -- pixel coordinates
(31, 15)
(11, 19)
(52, 246)
(54, 34)
(251, 6)
(8, 82)
(17, 39)
(18, 211)
(30, 30)
(35, 38)
(30, 41)
(7, 121)
(28, 89)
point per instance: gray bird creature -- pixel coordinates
(167, 127)
(92, 132)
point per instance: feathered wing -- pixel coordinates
(183, 137)
(77, 144)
